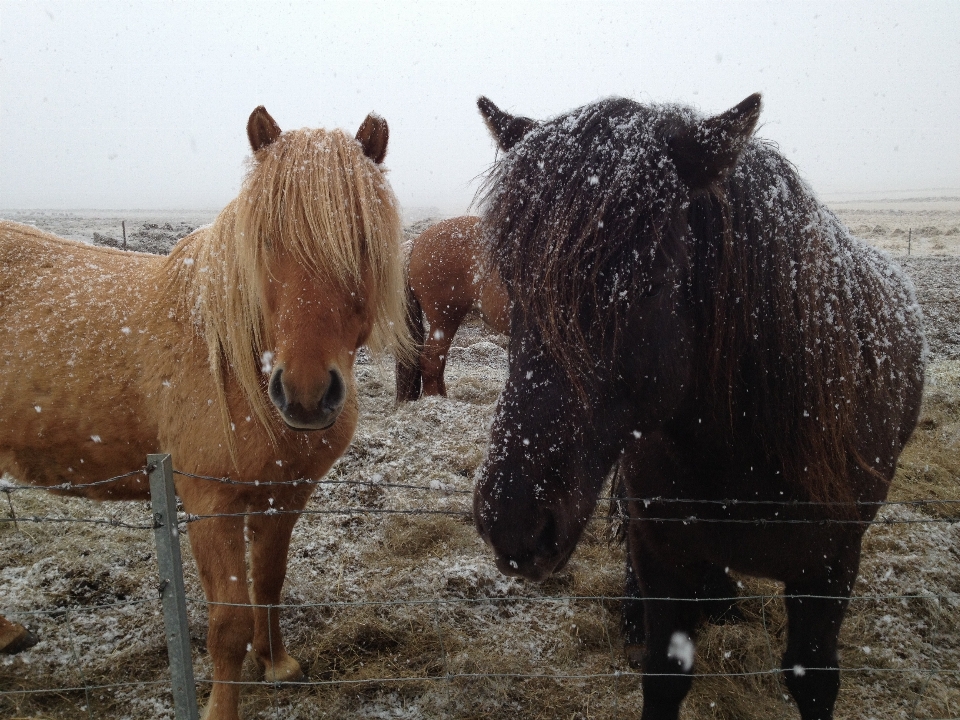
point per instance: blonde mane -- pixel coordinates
(312, 193)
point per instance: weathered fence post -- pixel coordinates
(172, 594)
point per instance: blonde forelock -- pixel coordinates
(314, 194)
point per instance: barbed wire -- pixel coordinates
(721, 504)
(572, 676)
(627, 673)
(491, 599)
(86, 688)
(191, 518)
(60, 610)
(324, 481)
(188, 518)
(112, 522)
(16, 487)
(445, 489)
(571, 598)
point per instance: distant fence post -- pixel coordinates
(172, 593)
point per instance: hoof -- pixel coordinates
(286, 670)
(22, 641)
(634, 655)
(18, 640)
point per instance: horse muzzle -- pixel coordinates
(532, 550)
(316, 410)
(531, 567)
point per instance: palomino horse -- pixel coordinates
(446, 279)
(234, 354)
(683, 303)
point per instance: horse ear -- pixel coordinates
(261, 129)
(704, 154)
(373, 136)
(506, 129)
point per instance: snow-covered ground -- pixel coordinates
(414, 599)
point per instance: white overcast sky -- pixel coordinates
(120, 105)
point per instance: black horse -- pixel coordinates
(682, 303)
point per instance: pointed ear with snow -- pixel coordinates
(373, 136)
(705, 153)
(261, 129)
(506, 129)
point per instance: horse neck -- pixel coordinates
(206, 273)
(200, 264)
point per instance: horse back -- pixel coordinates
(442, 266)
(449, 273)
(72, 325)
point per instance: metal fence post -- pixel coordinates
(172, 593)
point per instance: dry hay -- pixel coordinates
(372, 654)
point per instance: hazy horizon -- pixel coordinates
(110, 106)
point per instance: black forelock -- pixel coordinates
(579, 211)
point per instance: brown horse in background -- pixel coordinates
(684, 306)
(234, 353)
(446, 279)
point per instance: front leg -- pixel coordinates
(670, 620)
(631, 608)
(219, 550)
(269, 544)
(815, 611)
(631, 615)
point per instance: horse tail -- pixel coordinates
(409, 376)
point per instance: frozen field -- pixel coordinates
(403, 614)
(930, 226)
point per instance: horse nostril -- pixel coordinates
(277, 395)
(336, 392)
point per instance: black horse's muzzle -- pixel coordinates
(531, 550)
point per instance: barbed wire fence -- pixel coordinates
(167, 524)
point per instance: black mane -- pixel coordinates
(590, 208)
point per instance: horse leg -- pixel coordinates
(716, 586)
(269, 544)
(15, 638)
(810, 663)
(631, 615)
(220, 552)
(433, 359)
(670, 634)
(631, 610)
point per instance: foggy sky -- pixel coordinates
(144, 105)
